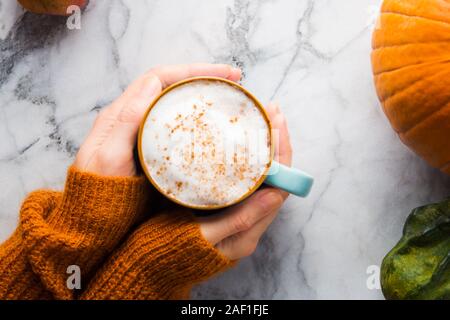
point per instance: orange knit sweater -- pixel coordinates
(92, 225)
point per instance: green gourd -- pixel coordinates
(418, 267)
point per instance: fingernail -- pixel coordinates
(270, 200)
(154, 84)
(277, 107)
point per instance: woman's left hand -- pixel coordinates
(108, 149)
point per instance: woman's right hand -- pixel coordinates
(236, 231)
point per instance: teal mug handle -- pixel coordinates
(289, 179)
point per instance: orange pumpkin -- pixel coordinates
(54, 7)
(411, 64)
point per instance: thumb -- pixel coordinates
(131, 107)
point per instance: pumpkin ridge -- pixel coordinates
(415, 16)
(410, 84)
(407, 44)
(445, 105)
(413, 65)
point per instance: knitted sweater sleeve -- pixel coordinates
(75, 229)
(162, 259)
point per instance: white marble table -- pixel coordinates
(311, 56)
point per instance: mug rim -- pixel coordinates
(186, 81)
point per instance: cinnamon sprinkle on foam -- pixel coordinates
(192, 163)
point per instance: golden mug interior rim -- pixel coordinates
(205, 78)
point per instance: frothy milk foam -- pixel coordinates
(205, 143)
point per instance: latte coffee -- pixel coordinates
(205, 144)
